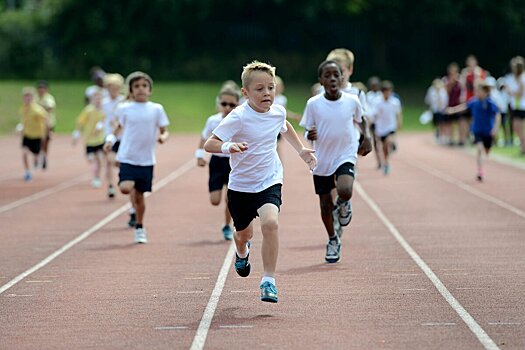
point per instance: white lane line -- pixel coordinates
(169, 328)
(482, 336)
(192, 292)
(505, 323)
(196, 278)
(437, 324)
(175, 174)
(204, 325)
(236, 326)
(467, 188)
(43, 193)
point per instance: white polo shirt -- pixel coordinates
(337, 141)
(141, 123)
(212, 122)
(259, 167)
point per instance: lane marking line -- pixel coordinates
(439, 324)
(505, 323)
(236, 326)
(207, 317)
(43, 193)
(482, 336)
(192, 292)
(174, 175)
(169, 328)
(465, 187)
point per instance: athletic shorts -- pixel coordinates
(94, 149)
(115, 146)
(33, 145)
(325, 184)
(243, 205)
(487, 140)
(518, 114)
(383, 138)
(219, 170)
(141, 175)
(438, 118)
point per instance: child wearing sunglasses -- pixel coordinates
(219, 168)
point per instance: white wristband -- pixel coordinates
(111, 139)
(76, 134)
(199, 153)
(225, 148)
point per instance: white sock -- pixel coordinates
(132, 210)
(268, 279)
(242, 256)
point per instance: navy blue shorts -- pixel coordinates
(243, 205)
(325, 184)
(94, 149)
(487, 140)
(219, 170)
(141, 175)
(33, 145)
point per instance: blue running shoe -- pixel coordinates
(268, 292)
(242, 265)
(227, 232)
(27, 176)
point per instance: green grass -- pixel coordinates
(188, 104)
(511, 153)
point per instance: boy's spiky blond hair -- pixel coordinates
(344, 57)
(255, 66)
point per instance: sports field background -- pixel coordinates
(189, 104)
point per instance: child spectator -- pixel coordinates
(329, 119)
(388, 119)
(485, 123)
(503, 105)
(90, 124)
(143, 124)
(516, 88)
(454, 91)
(34, 122)
(249, 134)
(219, 166)
(437, 100)
(47, 101)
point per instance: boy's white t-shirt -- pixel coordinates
(212, 122)
(259, 167)
(517, 102)
(352, 90)
(109, 106)
(141, 122)
(337, 141)
(385, 115)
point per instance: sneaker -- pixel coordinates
(140, 235)
(386, 169)
(333, 250)
(27, 176)
(345, 213)
(111, 192)
(479, 178)
(227, 232)
(338, 229)
(132, 220)
(96, 183)
(242, 265)
(268, 292)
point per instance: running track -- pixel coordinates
(431, 260)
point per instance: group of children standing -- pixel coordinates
(477, 104)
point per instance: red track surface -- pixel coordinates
(107, 293)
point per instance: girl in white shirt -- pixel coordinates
(516, 88)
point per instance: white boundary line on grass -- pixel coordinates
(482, 336)
(202, 332)
(43, 193)
(447, 178)
(160, 184)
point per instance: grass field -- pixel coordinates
(188, 104)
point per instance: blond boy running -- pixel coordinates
(249, 134)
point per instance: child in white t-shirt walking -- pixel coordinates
(249, 133)
(144, 123)
(388, 119)
(329, 119)
(219, 167)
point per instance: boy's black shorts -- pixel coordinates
(487, 140)
(142, 175)
(219, 169)
(243, 205)
(519, 114)
(325, 184)
(384, 137)
(33, 145)
(94, 149)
